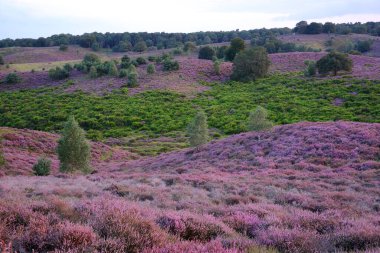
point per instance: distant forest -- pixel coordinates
(123, 42)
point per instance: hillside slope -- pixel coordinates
(21, 148)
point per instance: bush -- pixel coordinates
(217, 66)
(93, 72)
(73, 149)
(140, 46)
(91, 60)
(112, 69)
(220, 52)
(123, 46)
(334, 62)
(311, 68)
(63, 47)
(132, 76)
(206, 53)
(140, 60)
(151, 69)
(123, 73)
(152, 58)
(189, 47)
(68, 67)
(58, 73)
(198, 130)
(95, 47)
(250, 64)
(237, 45)
(170, 65)
(42, 167)
(12, 78)
(257, 120)
(177, 51)
(125, 62)
(1, 60)
(363, 45)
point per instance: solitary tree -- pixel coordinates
(73, 148)
(250, 64)
(112, 69)
(257, 120)
(198, 130)
(151, 69)
(334, 62)
(132, 76)
(206, 53)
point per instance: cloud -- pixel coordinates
(23, 18)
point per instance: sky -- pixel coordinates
(42, 18)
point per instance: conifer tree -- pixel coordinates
(257, 120)
(198, 130)
(73, 148)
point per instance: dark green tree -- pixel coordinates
(250, 64)
(334, 62)
(206, 53)
(237, 45)
(73, 148)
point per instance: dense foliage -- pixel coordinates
(334, 62)
(250, 64)
(59, 73)
(42, 167)
(237, 45)
(12, 78)
(258, 120)
(227, 106)
(73, 149)
(197, 130)
(170, 65)
(372, 28)
(206, 53)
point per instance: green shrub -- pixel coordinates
(198, 130)
(257, 120)
(91, 60)
(112, 69)
(206, 53)
(123, 46)
(63, 47)
(311, 68)
(250, 64)
(334, 62)
(220, 52)
(73, 148)
(95, 47)
(132, 79)
(140, 60)
(237, 45)
(68, 67)
(140, 46)
(170, 65)
(152, 58)
(125, 62)
(177, 51)
(12, 78)
(151, 69)
(1, 60)
(189, 47)
(93, 72)
(217, 66)
(123, 73)
(58, 73)
(42, 167)
(363, 45)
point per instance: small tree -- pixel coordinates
(198, 130)
(93, 72)
(12, 78)
(151, 69)
(311, 69)
(112, 69)
(237, 45)
(58, 73)
(42, 167)
(140, 46)
(217, 66)
(123, 73)
(206, 53)
(132, 76)
(250, 64)
(189, 47)
(1, 60)
(257, 120)
(334, 62)
(73, 148)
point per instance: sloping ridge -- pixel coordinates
(21, 148)
(306, 145)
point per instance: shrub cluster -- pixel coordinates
(59, 73)
(170, 65)
(12, 78)
(206, 53)
(42, 167)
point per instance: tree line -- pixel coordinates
(142, 41)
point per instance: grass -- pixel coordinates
(39, 66)
(145, 117)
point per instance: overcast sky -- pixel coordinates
(36, 18)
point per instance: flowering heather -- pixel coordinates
(307, 187)
(22, 148)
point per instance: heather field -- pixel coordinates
(307, 187)
(184, 155)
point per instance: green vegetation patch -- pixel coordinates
(157, 113)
